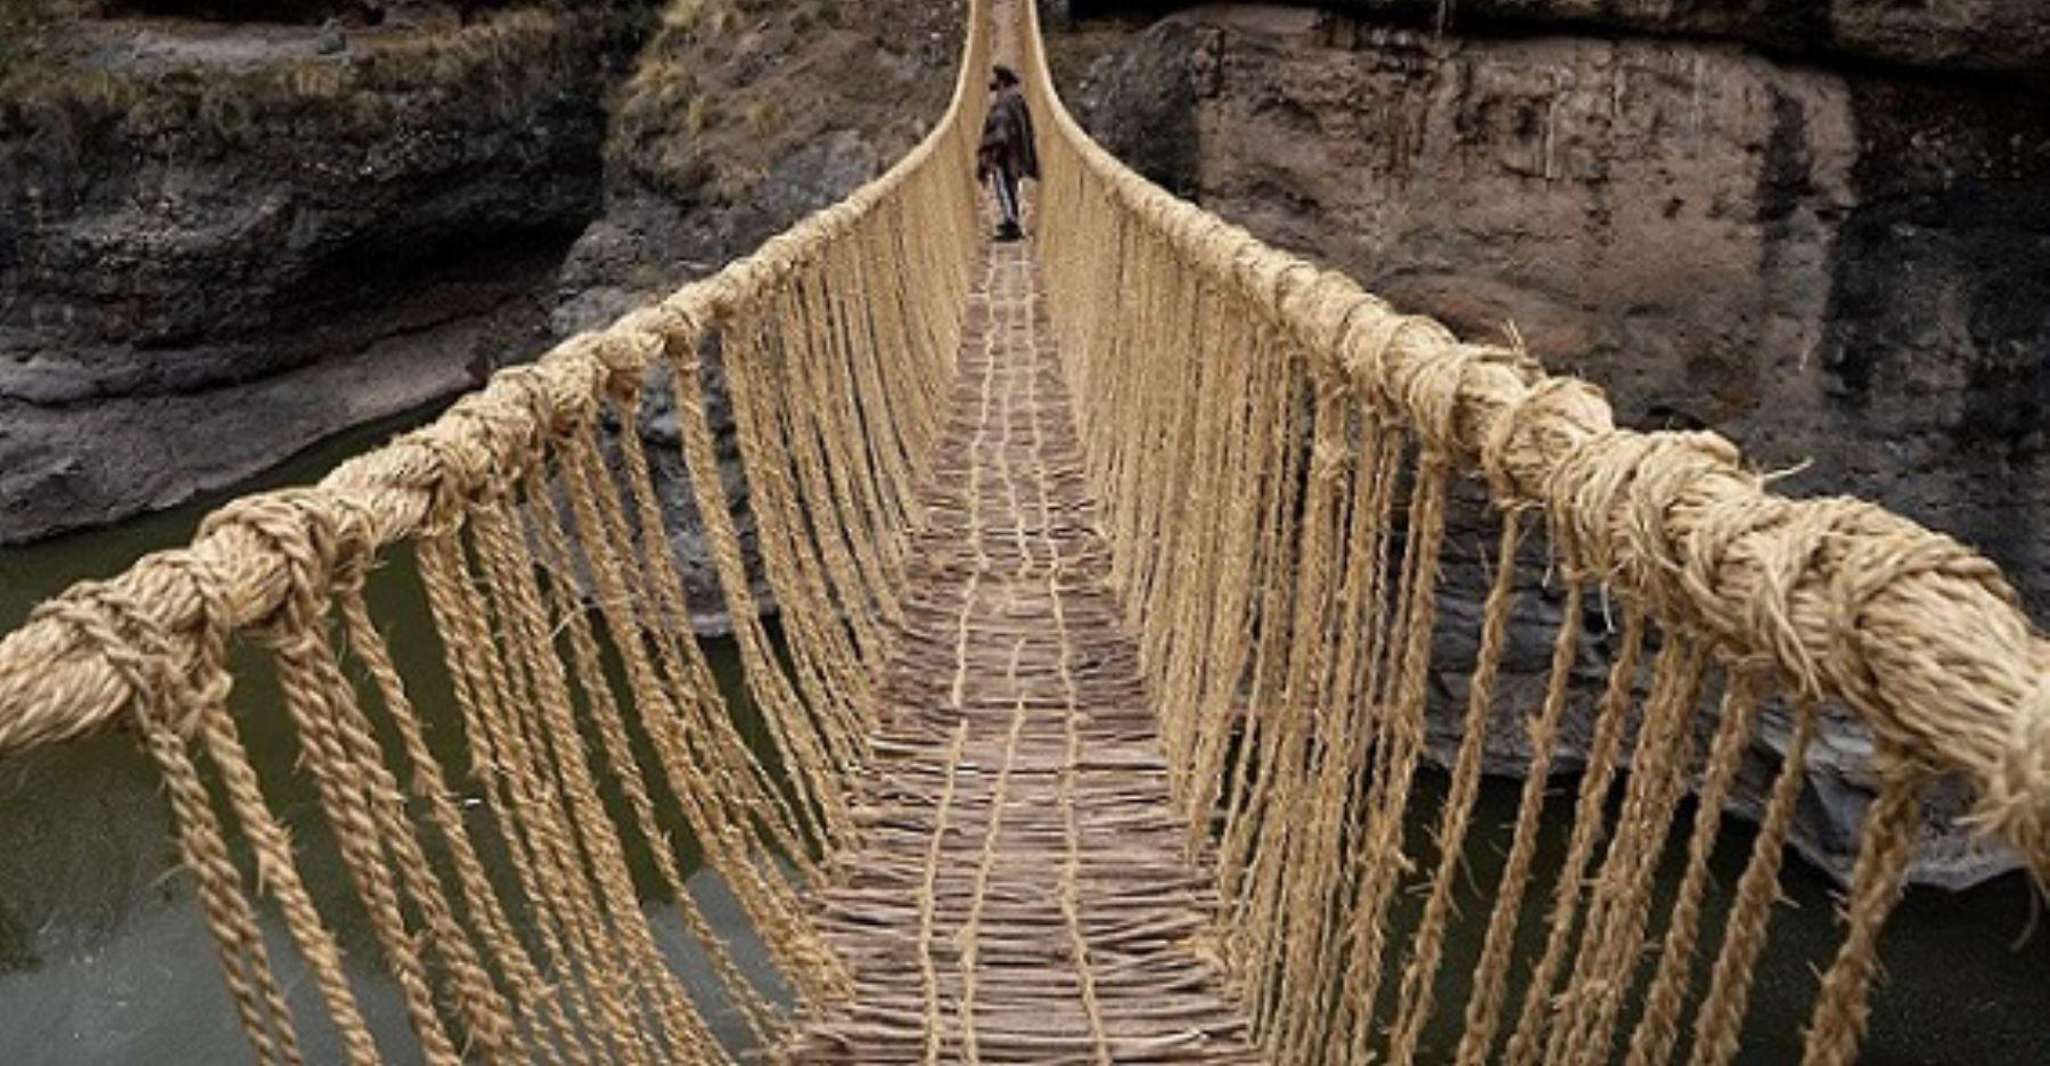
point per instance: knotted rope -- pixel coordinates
(1282, 463)
(1724, 585)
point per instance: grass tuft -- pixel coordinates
(763, 116)
(689, 17)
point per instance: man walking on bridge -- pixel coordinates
(1007, 153)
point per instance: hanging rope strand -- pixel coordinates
(1126, 499)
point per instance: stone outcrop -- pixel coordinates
(1840, 260)
(220, 243)
(738, 122)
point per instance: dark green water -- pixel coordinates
(103, 955)
(1957, 989)
(104, 959)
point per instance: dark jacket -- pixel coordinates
(1007, 143)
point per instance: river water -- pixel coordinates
(104, 958)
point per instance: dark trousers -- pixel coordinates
(1007, 195)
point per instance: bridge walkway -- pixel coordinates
(1023, 892)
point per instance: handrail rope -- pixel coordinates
(1920, 635)
(56, 686)
(1917, 633)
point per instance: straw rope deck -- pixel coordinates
(1109, 677)
(1024, 892)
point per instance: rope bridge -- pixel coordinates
(1108, 578)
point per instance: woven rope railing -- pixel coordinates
(1276, 452)
(592, 727)
(1277, 457)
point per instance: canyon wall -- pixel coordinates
(222, 241)
(739, 120)
(224, 238)
(1826, 236)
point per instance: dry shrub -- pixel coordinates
(763, 116)
(508, 58)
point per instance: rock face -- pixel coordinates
(222, 239)
(1998, 36)
(219, 243)
(1845, 266)
(738, 122)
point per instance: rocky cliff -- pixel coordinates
(1825, 235)
(224, 237)
(740, 119)
(2007, 37)
(221, 240)
(1840, 266)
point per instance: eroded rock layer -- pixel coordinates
(1832, 247)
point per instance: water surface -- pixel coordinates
(104, 958)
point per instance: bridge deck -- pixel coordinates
(1022, 893)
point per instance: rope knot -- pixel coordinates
(209, 584)
(2014, 801)
(511, 425)
(1611, 499)
(682, 315)
(1672, 465)
(1246, 260)
(1515, 446)
(320, 542)
(681, 322)
(135, 646)
(1874, 586)
(530, 391)
(1582, 491)
(633, 344)
(1427, 387)
(724, 295)
(1782, 542)
(1320, 313)
(455, 472)
(1269, 277)
(1363, 352)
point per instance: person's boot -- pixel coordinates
(1009, 231)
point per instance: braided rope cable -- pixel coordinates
(1919, 635)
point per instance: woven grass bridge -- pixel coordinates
(1107, 574)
